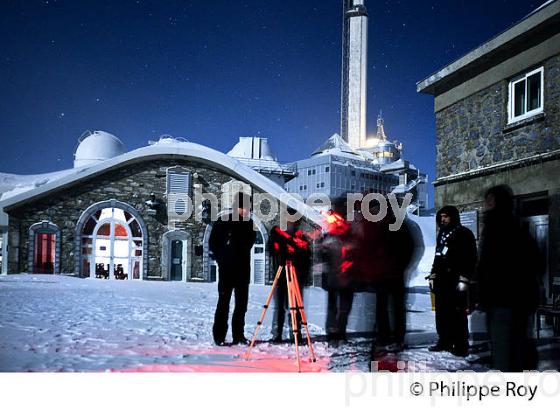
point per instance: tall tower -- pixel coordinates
(354, 73)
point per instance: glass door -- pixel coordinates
(176, 260)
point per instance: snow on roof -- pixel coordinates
(399, 164)
(365, 167)
(185, 150)
(12, 184)
(335, 145)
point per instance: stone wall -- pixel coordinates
(131, 184)
(474, 133)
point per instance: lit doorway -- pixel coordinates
(111, 245)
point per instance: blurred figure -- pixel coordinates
(231, 242)
(338, 248)
(300, 256)
(453, 267)
(508, 279)
(393, 256)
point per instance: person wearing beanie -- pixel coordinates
(452, 270)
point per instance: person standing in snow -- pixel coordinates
(453, 267)
(231, 242)
(509, 284)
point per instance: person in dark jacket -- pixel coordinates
(299, 253)
(508, 278)
(452, 270)
(231, 242)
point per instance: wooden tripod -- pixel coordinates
(295, 303)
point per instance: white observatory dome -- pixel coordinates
(254, 148)
(97, 146)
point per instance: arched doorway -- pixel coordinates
(112, 242)
(44, 248)
(259, 254)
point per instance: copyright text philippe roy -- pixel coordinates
(461, 387)
(473, 391)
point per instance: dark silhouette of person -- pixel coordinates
(453, 268)
(230, 242)
(508, 280)
(395, 249)
(299, 254)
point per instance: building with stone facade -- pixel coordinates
(118, 214)
(497, 112)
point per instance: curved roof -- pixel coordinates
(182, 150)
(12, 184)
(97, 146)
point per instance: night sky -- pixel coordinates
(212, 71)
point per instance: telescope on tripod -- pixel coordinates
(287, 245)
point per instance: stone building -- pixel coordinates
(497, 112)
(118, 214)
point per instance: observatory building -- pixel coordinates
(110, 217)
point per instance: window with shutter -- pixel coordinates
(178, 183)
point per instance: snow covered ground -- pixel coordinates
(58, 323)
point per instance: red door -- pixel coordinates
(44, 253)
